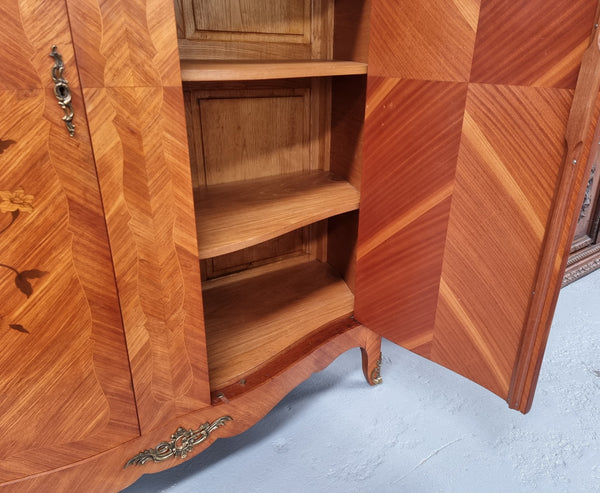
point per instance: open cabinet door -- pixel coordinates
(469, 187)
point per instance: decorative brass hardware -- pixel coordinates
(61, 90)
(182, 442)
(376, 373)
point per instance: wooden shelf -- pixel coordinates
(254, 316)
(237, 215)
(207, 71)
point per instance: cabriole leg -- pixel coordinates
(371, 358)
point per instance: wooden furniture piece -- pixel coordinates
(252, 187)
(585, 249)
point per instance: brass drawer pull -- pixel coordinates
(62, 91)
(182, 442)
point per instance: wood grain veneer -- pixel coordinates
(507, 173)
(245, 409)
(248, 133)
(288, 245)
(412, 133)
(471, 284)
(127, 54)
(534, 43)
(65, 385)
(426, 40)
(467, 203)
(562, 225)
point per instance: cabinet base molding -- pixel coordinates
(181, 444)
(582, 264)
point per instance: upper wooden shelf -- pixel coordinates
(237, 215)
(207, 71)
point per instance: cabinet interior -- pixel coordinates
(274, 93)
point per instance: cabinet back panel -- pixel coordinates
(255, 29)
(285, 246)
(291, 17)
(351, 33)
(254, 136)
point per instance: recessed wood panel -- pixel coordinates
(255, 29)
(288, 245)
(252, 16)
(252, 134)
(533, 43)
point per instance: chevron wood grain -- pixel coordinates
(468, 192)
(505, 183)
(533, 43)
(471, 284)
(65, 385)
(105, 472)
(125, 44)
(128, 58)
(148, 202)
(20, 39)
(412, 139)
(438, 35)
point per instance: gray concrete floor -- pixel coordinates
(424, 430)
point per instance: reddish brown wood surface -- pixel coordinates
(65, 384)
(468, 180)
(127, 54)
(105, 472)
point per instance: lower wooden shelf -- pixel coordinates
(252, 317)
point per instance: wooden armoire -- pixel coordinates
(203, 202)
(585, 249)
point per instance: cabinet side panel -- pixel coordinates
(66, 386)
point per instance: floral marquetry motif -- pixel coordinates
(14, 203)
